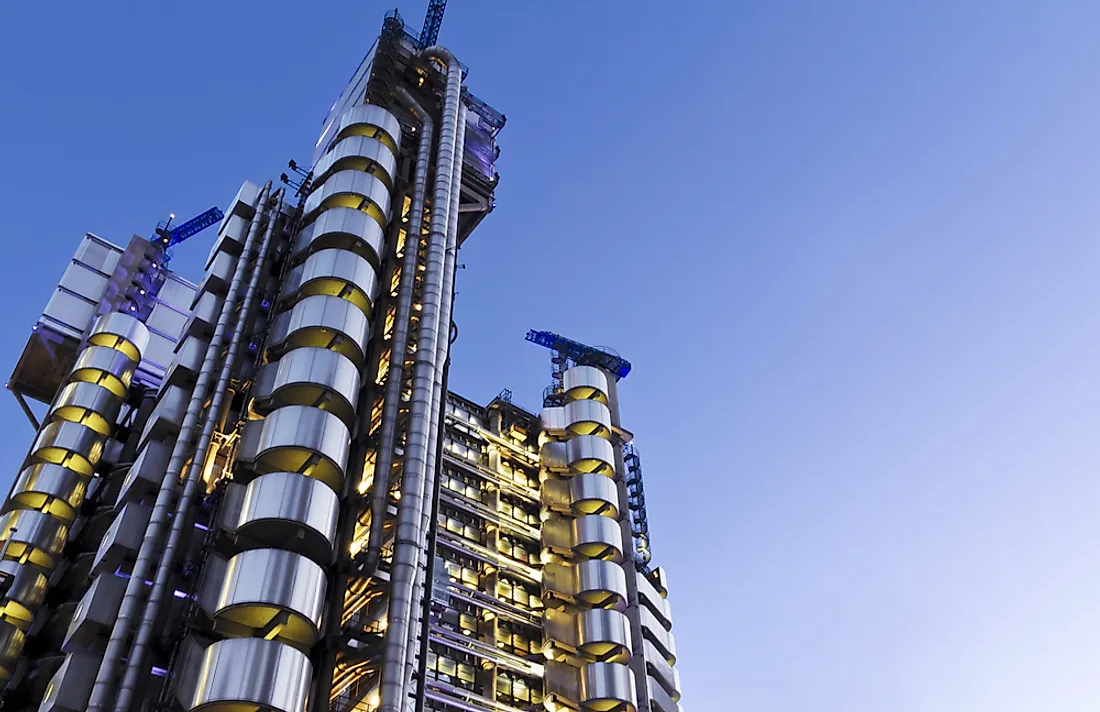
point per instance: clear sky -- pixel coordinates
(850, 248)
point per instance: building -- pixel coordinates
(256, 492)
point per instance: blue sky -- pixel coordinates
(850, 248)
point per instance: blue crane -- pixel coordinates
(433, 20)
(581, 353)
(169, 237)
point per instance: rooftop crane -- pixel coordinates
(433, 20)
(581, 353)
(169, 237)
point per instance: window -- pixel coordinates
(518, 690)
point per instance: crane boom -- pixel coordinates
(433, 20)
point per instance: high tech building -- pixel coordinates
(255, 492)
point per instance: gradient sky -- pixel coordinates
(850, 248)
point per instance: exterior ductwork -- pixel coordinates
(131, 602)
(409, 540)
(442, 351)
(193, 476)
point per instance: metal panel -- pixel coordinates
(591, 453)
(177, 293)
(600, 583)
(290, 511)
(184, 369)
(661, 670)
(70, 313)
(69, 444)
(342, 229)
(25, 591)
(51, 489)
(554, 455)
(34, 537)
(87, 404)
(597, 537)
(368, 115)
(306, 440)
(360, 153)
(252, 673)
(204, 315)
(588, 417)
(652, 600)
(553, 420)
(603, 635)
(122, 332)
(659, 699)
(594, 494)
(338, 273)
(12, 640)
(95, 614)
(242, 205)
(122, 538)
(310, 376)
(586, 382)
(71, 686)
(106, 367)
(167, 320)
(230, 238)
(608, 686)
(662, 639)
(168, 414)
(272, 594)
(351, 189)
(219, 273)
(146, 474)
(325, 322)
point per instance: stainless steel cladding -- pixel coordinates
(121, 332)
(51, 489)
(607, 686)
(105, 366)
(325, 322)
(71, 445)
(343, 229)
(306, 440)
(588, 417)
(88, 404)
(591, 453)
(362, 153)
(337, 273)
(273, 594)
(310, 376)
(351, 189)
(32, 537)
(586, 382)
(25, 592)
(292, 511)
(252, 673)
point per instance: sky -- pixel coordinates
(849, 247)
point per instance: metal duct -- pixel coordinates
(408, 541)
(194, 473)
(442, 350)
(149, 552)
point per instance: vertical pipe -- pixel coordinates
(381, 487)
(439, 394)
(425, 612)
(409, 538)
(150, 545)
(193, 476)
